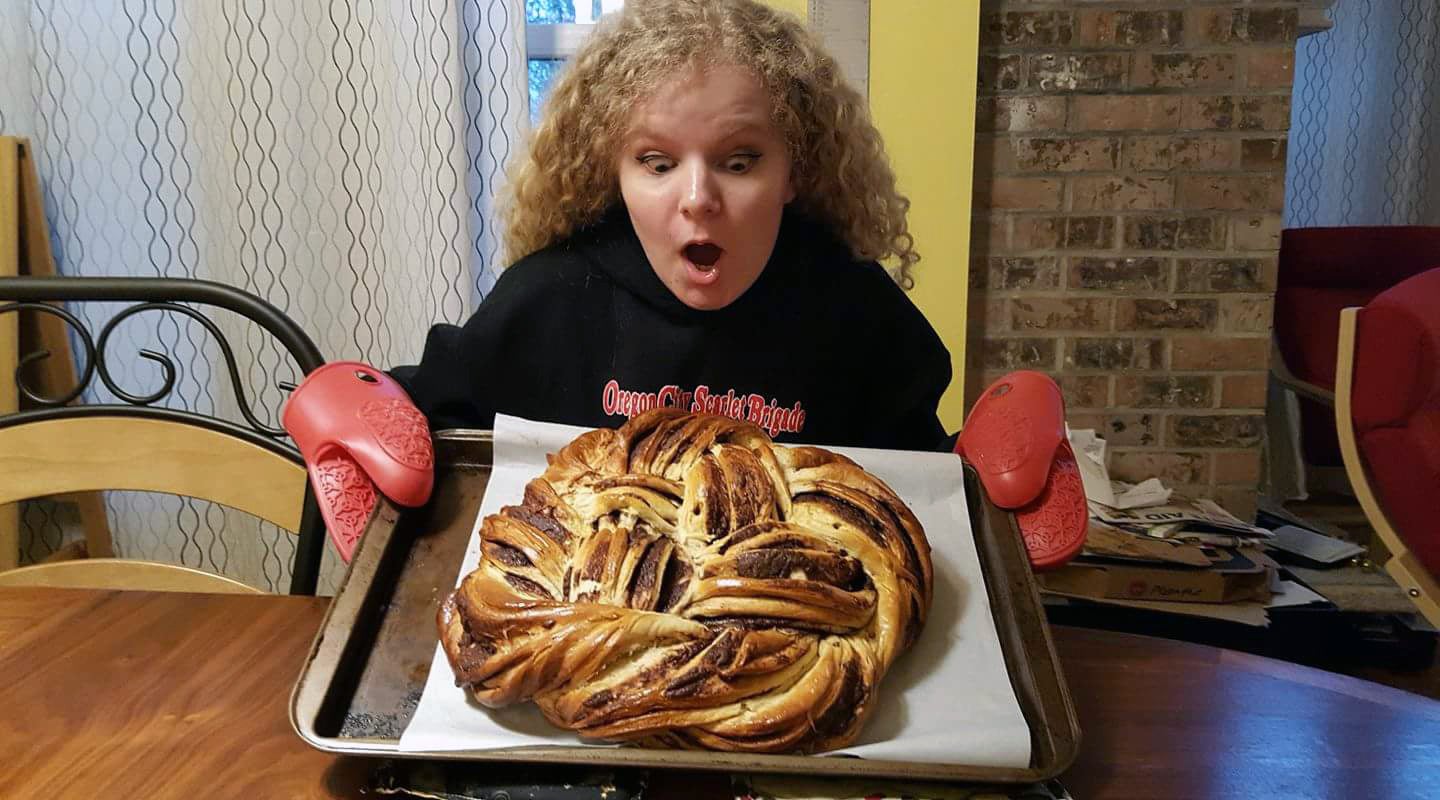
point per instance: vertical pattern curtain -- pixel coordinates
(1365, 118)
(339, 159)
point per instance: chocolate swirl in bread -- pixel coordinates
(684, 582)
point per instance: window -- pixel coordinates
(554, 30)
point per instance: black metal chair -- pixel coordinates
(49, 417)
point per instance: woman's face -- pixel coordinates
(705, 175)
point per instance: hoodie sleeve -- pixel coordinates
(455, 384)
(492, 364)
(905, 394)
(920, 375)
(439, 386)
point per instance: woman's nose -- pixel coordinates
(700, 197)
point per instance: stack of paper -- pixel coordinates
(1197, 521)
(1151, 509)
(1150, 548)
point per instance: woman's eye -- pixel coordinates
(741, 163)
(659, 165)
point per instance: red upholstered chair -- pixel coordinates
(1387, 413)
(1324, 270)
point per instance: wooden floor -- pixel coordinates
(1422, 682)
(1363, 587)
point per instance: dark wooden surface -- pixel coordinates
(152, 694)
(1167, 719)
(139, 694)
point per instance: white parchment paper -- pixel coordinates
(948, 700)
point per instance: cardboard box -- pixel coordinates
(1243, 574)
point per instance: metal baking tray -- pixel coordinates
(368, 664)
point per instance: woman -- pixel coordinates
(697, 224)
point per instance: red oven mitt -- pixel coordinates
(1015, 438)
(358, 431)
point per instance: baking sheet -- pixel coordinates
(948, 701)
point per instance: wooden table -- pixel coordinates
(137, 694)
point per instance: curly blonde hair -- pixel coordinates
(842, 177)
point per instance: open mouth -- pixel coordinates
(703, 255)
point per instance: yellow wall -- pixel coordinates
(800, 8)
(923, 56)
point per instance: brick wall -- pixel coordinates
(1129, 181)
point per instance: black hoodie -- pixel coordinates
(822, 349)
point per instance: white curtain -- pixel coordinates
(337, 158)
(1365, 118)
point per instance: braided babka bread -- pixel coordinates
(684, 582)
